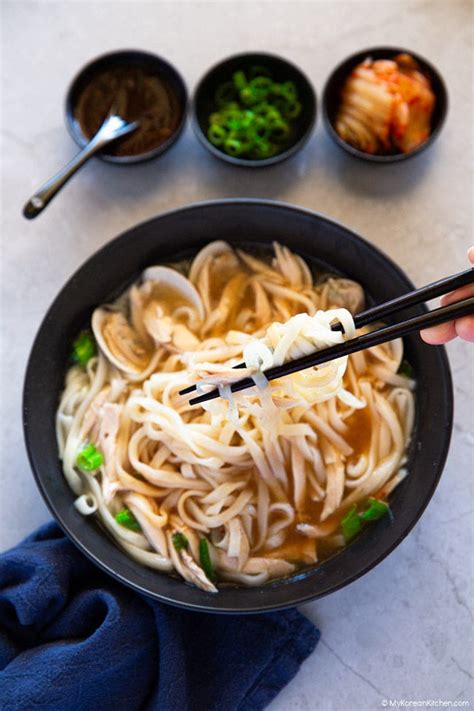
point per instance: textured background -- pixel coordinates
(405, 629)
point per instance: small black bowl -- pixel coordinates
(252, 225)
(126, 58)
(332, 91)
(282, 70)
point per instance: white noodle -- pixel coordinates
(253, 472)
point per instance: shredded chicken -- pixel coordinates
(195, 574)
(107, 441)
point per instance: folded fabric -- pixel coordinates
(73, 638)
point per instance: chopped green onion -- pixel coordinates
(226, 92)
(262, 108)
(240, 80)
(83, 348)
(273, 114)
(352, 522)
(264, 149)
(205, 559)
(351, 525)
(261, 87)
(230, 106)
(89, 459)
(279, 130)
(248, 96)
(235, 123)
(126, 518)
(261, 131)
(216, 134)
(231, 118)
(405, 369)
(233, 147)
(217, 118)
(262, 83)
(288, 90)
(247, 119)
(254, 114)
(244, 142)
(179, 541)
(292, 109)
(280, 104)
(376, 509)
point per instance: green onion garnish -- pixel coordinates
(179, 541)
(288, 90)
(233, 147)
(83, 348)
(265, 149)
(351, 525)
(126, 518)
(239, 80)
(376, 509)
(89, 459)
(279, 130)
(205, 560)
(405, 369)
(353, 521)
(225, 93)
(216, 134)
(292, 109)
(254, 115)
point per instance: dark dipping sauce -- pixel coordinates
(137, 95)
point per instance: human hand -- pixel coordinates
(462, 327)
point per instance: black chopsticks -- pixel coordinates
(381, 335)
(368, 340)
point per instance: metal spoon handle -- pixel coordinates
(46, 192)
(107, 133)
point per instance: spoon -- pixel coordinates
(113, 127)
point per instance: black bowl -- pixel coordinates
(332, 91)
(250, 223)
(282, 70)
(126, 58)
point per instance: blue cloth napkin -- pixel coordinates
(73, 638)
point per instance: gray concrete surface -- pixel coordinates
(404, 631)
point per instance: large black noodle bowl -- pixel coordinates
(250, 223)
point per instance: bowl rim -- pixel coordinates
(265, 604)
(253, 162)
(354, 59)
(79, 138)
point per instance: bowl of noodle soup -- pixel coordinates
(246, 504)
